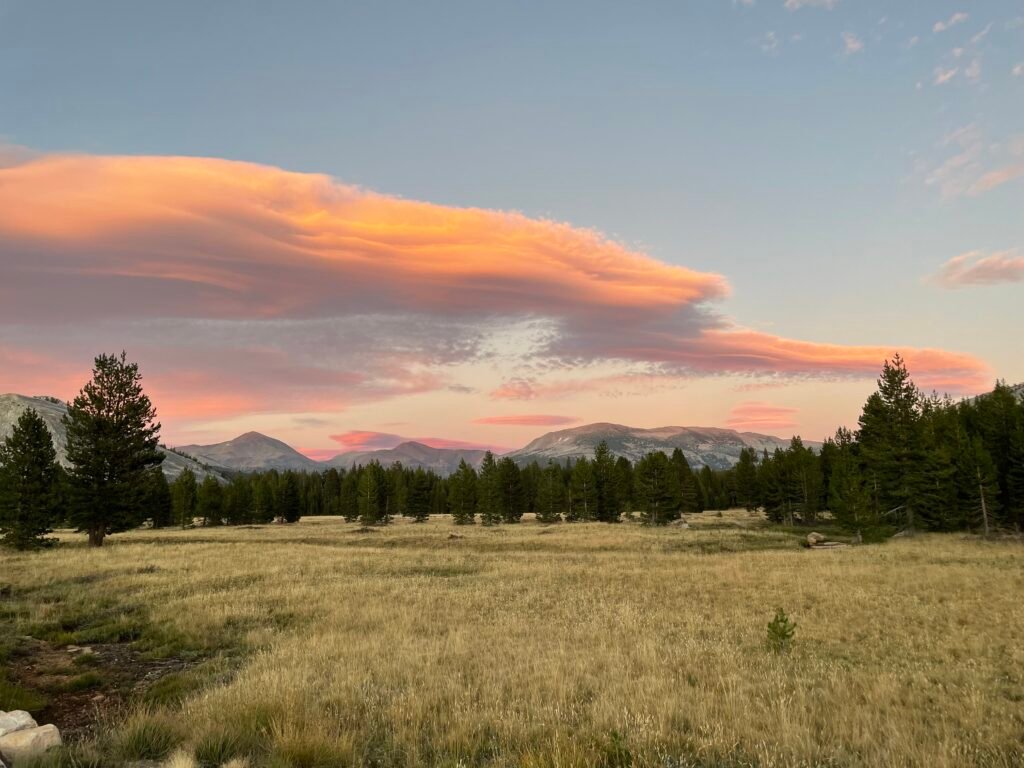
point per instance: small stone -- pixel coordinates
(22, 745)
(18, 720)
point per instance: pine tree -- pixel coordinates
(29, 483)
(238, 501)
(849, 499)
(210, 501)
(981, 488)
(112, 441)
(685, 483)
(289, 505)
(349, 503)
(550, 494)
(746, 479)
(488, 496)
(608, 508)
(373, 495)
(654, 489)
(891, 442)
(418, 500)
(513, 501)
(265, 497)
(158, 499)
(583, 490)
(624, 484)
(462, 494)
(183, 497)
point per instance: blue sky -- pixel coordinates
(825, 157)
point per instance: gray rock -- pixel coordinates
(21, 745)
(18, 720)
(815, 538)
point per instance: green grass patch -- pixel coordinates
(84, 682)
(13, 696)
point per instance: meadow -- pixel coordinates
(326, 644)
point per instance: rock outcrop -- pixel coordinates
(21, 738)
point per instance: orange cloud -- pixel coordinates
(758, 415)
(243, 288)
(214, 238)
(975, 268)
(527, 420)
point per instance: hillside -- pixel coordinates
(252, 452)
(52, 411)
(703, 446)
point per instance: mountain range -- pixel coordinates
(703, 446)
(52, 411)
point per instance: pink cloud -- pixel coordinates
(975, 268)
(361, 440)
(527, 420)
(755, 415)
(996, 178)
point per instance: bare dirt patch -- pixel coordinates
(82, 683)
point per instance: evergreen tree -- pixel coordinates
(489, 496)
(654, 489)
(238, 501)
(183, 498)
(746, 479)
(608, 508)
(685, 483)
(418, 499)
(264, 497)
(513, 500)
(349, 503)
(29, 483)
(158, 499)
(891, 443)
(981, 488)
(373, 495)
(550, 494)
(289, 508)
(112, 441)
(624, 484)
(462, 494)
(583, 490)
(849, 499)
(210, 501)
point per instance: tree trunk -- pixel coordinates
(984, 506)
(96, 537)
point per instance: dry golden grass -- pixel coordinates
(570, 645)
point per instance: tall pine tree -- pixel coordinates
(29, 483)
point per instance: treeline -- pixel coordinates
(915, 462)
(659, 488)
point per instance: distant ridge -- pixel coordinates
(702, 446)
(53, 410)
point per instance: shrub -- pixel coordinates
(780, 632)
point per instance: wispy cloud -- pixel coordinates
(944, 75)
(1018, 70)
(977, 268)
(989, 181)
(754, 415)
(957, 18)
(851, 43)
(527, 420)
(796, 5)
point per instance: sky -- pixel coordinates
(470, 223)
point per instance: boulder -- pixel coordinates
(18, 720)
(814, 539)
(21, 745)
